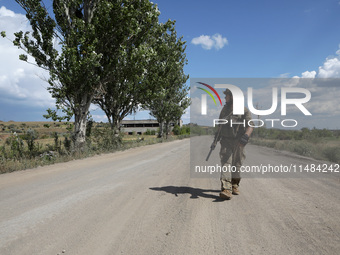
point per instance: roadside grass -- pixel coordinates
(50, 143)
(318, 148)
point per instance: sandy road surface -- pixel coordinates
(143, 201)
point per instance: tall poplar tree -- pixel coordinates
(97, 45)
(171, 99)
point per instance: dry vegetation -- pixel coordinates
(30, 144)
(322, 148)
(44, 129)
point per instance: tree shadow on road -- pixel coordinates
(194, 192)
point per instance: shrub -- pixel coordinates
(176, 130)
(150, 132)
(57, 145)
(49, 156)
(30, 138)
(303, 149)
(89, 128)
(332, 154)
(16, 144)
(67, 144)
(106, 139)
(185, 130)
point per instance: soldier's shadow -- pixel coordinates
(194, 192)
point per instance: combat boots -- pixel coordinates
(225, 194)
(235, 190)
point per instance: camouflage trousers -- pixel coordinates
(232, 156)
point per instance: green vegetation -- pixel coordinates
(150, 132)
(320, 144)
(32, 144)
(181, 132)
(196, 130)
(172, 97)
(115, 54)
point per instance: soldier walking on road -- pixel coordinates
(232, 138)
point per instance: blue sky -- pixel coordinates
(240, 39)
(265, 38)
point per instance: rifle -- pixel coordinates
(216, 139)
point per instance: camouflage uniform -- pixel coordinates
(231, 153)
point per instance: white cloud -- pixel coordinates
(205, 40)
(20, 82)
(308, 74)
(338, 52)
(329, 69)
(186, 116)
(284, 75)
(99, 118)
(325, 100)
(208, 42)
(6, 13)
(219, 41)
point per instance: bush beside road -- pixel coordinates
(26, 145)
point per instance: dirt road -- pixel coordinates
(144, 201)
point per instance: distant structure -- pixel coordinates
(141, 126)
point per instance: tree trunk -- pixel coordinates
(160, 134)
(166, 129)
(80, 118)
(79, 130)
(115, 123)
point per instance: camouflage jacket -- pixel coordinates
(239, 122)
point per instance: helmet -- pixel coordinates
(228, 92)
